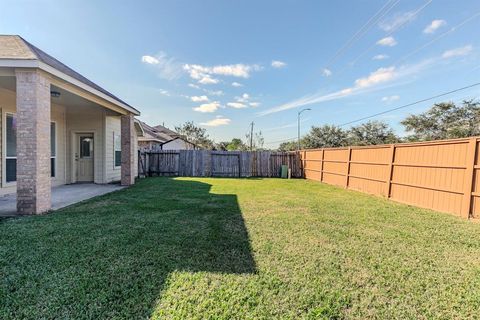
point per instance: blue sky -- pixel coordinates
(224, 64)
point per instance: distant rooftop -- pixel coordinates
(14, 47)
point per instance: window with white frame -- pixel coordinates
(11, 148)
(117, 150)
(53, 149)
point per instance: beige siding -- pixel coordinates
(112, 128)
(136, 157)
(86, 119)
(177, 144)
(69, 121)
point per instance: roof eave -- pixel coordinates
(33, 63)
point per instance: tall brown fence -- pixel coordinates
(207, 163)
(440, 175)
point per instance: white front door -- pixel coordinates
(84, 157)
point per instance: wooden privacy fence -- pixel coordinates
(439, 175)
(207, 163)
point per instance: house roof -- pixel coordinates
(153, 134)
(166, 131)
(14, 47)
(160, 134)
(179, 138)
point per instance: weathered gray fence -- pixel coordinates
(208, 163)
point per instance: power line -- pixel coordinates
(438, 37)
(394, 109)
(385, 9)
(363, 30)
(280, 141)
(420, 9)
(416, 12)
(410, 104)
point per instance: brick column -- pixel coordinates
(33, 142)
(128, 150)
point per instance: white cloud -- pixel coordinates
(192, 85)
(327, 72)
(380, 57)
(378, 76)
(237, 84)
(278, 64)
(150, 60)
(374, 81)
(208, 107)
(244, 98)
(463, 51)
(285, 126)
(204, 74)
(164, 92)
(218, 121)
(236, 70)
(398, 20)
(208, 80)
(199, 98)
(254, 104)
(214, 92)
(387, 42)
(236, 105)
(434, 25)
(167, 67)
(390, 99)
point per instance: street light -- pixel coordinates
(298, 119)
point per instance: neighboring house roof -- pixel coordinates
(139, 128)
(152, 134)
(14, 47)
(160, 134)
(166, 131)
(179, 138)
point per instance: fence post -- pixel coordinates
(390, 169)
(467, 189)
(321, 165)
(348, 167)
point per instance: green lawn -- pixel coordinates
(239, 248)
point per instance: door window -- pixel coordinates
(86, 147)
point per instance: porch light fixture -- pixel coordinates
(55, 94)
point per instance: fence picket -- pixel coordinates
(205, 163)
(439, 175)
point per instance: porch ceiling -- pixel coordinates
(66, 98)
(8, 83)
(71, 100)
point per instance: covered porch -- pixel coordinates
(58, 128)
(62, 196)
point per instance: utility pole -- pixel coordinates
(298, 127)
(251, 135)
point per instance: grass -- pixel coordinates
(239, 248)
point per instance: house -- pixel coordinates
(58, 128)
(162, 138)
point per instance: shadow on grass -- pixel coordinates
(110, 257)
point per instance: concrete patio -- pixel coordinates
(62, 196)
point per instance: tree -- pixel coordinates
(326, 136)
(236, 145)
(288, 146)
(445, 121)
(195, 134)
(257, 141)
(222, 145)
(371, 133)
